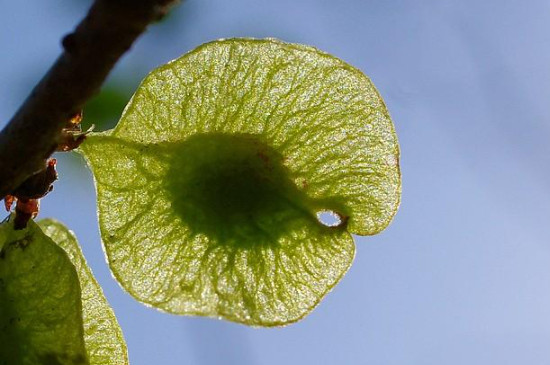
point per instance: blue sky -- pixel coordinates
(463, 273)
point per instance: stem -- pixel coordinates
(90, 52)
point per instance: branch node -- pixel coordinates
(69, 43)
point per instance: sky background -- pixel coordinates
(462, 275)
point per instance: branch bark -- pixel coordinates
(90, 52)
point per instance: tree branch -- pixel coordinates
(90, 52)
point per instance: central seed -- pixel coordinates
(233, 188)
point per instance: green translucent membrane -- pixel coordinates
(103, 337)
(210, 185)
(52, 310)
(40, 307)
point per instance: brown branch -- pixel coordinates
(90, 52)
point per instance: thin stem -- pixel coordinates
(90, 52)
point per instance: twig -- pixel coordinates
(90, 52)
